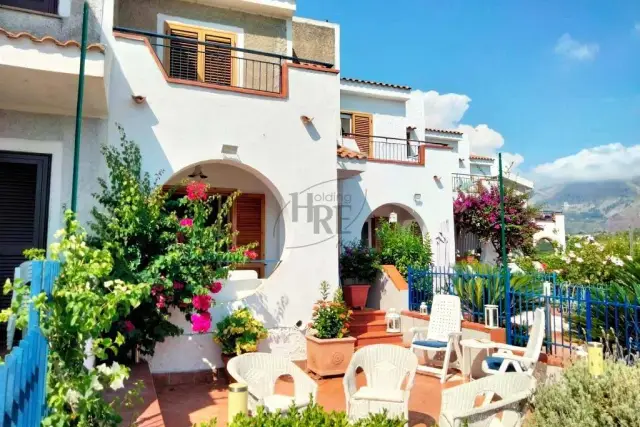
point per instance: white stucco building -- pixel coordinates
(241, 94)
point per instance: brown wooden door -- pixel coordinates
(249, 222)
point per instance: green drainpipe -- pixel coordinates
(76, 142)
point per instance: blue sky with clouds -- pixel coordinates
(543, 79)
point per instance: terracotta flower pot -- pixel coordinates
(225, 362)
(329, 356)
(356, 295)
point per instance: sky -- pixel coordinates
(554, 85)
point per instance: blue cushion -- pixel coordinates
(431, 343)
(494, 363)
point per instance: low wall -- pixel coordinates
(389, 290)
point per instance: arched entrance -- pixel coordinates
(390, 212)
(255, 214)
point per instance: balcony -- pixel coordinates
(40, 75)
(219, 65)
(471, 183)
(383, 149)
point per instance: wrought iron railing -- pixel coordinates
(389, 148)
(471, 183)
(219, 64)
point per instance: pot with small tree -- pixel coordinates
(359, 267)
(329, 346)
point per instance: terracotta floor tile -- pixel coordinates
(183, 405)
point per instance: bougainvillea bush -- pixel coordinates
(358, 263)
(183, 258)
(82, 308)
(480, 214)
(330, 318)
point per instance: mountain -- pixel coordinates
(592, 207)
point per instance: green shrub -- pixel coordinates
(239, 333)
(358, 262)
(330, 319)
(313, 415)
(403, 246)
(579, 399)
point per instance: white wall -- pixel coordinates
(552, 230)
(180, 126)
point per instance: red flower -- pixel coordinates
(129, 326)
(197, 190)
(178, 285)
(156, 290)
(186, 222)
(160, 301)
(233, 249)
(201, 302)
(251, 254)
(201, 322)
(215, 287)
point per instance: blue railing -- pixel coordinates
(23, 374)
(575, 314)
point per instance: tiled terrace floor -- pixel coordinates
(183, 405)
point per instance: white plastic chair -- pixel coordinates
(442, 334)
(504, 359)
(385, 367)
(260, 371)
(459, 403)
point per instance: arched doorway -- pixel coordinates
(390, 212)
(255, 215)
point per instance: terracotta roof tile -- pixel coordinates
(345, 153)
(69, 43)
(451, 132)
(371, 82)
(479, 157)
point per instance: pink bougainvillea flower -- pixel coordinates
(215, 287)
(129, 326)
(201, 322)
(251, 254)
(197, 190)
(178, 285)
(233, 249)
(201, 302)
(160, 301)
(186, 222)
(156, 290)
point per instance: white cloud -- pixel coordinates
(605, 162)
(445, 111)
(571, 48)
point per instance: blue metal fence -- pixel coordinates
(23, 374)
(575, 314)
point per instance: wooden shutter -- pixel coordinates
(248, 221)
(182, 62)
(362, 128)
(24, 206)
(47, 6)
(218, 61)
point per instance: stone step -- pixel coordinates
(358, 328)
(370, 338)
(367, 315)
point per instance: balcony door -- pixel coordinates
(24, 206)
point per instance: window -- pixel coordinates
(47, 6)
(361, 126)
(195, 61)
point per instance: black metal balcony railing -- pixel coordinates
(219, 63)
(471, 183)
(389, 149)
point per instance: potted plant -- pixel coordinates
(470, 256)
(238, 333)
(329, 346)
(358, 269)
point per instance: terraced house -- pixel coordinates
(243, 95)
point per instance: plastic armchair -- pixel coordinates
(459, 403)
(260, 371)
(504, 359)
(385, 367)
(443, 334)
